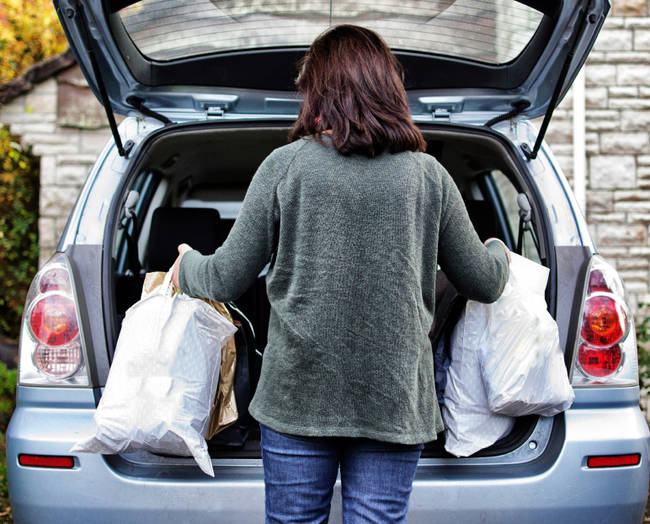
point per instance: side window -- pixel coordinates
(126, 248)
(507, 193)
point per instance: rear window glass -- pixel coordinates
(492, 31)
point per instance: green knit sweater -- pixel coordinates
(351, 286)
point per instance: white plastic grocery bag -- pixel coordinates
(522, 363)
(506, 362)
(469, 424)
(163, 378)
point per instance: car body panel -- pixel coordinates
(556, 486)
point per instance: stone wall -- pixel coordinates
(66, 127)
(617, 100)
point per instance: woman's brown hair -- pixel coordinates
(353, 84)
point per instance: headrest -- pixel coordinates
(198, 226)
(482, 215)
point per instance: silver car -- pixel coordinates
(207, 90)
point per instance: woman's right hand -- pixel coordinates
(182, 249)
(503, 244)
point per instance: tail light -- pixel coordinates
(606, 346)
(51, 343)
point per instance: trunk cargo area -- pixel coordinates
(190, 182)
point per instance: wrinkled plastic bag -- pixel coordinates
(224, 409)
(522, 363)
(506, 362)
(163, 378)
(469, 425)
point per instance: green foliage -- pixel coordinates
(5, 508)
(29, 32)
(7, 394)
(7, 405)
(19, 171)
(643, 342)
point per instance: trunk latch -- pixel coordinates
(441, 113)
(214, 111)
(216, 107)
(441, 107)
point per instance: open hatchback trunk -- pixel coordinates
(186, 185)
(219, 76)
(469, 60)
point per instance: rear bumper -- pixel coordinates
(557, 487)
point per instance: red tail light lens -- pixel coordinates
(605, 351)
(600, 362)
(603, 322)
(53, 320)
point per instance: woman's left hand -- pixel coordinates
(182, 249)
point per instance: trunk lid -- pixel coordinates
(202, 58)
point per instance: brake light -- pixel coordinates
(599, 362)
(604, 322)
(606, 346)
(53, 320)
(51, 343)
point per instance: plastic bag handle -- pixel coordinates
(166, 288)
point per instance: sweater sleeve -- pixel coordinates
(477, 271)
(232, 268)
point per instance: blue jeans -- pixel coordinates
(300, 472)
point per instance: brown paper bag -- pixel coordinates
(224, 410)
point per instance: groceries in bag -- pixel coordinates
(163, 379)
(522, 363)
(246, 373)
(469, 424)
(506, 362)
(449, 307)
(224, 409)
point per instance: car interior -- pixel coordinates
(187, 188)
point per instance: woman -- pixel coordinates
(357, 218)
